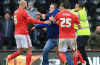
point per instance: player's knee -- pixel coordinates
(29, 50)
(20, 51)
(74, 51)
(61, 53)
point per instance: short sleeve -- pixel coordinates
(56, 19)
(77, 20)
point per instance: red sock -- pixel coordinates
(75, 59)
(62, 57)
(15, 54)
(28, 58)
(80, 56)
(58, 55)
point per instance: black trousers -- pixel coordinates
(81, 42)
(6, 41)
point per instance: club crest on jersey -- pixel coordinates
(65, 14)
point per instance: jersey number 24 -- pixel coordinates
(65, 21)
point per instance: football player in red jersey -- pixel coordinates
(66, 21)
(61, 8)
(21, 20)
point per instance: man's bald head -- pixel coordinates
(23, 4)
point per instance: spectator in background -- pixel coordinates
(95, 37)
(0, 37)
(32, 12)
(7, 30)
(42, 38)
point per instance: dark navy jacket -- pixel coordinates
(52, 29)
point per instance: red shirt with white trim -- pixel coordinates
(66, 21)
(21, 20)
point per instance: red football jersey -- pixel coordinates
(66, 21)
(21, 20)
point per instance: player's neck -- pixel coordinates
(21, 7)
(67, 10)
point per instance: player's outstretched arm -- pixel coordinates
(30, 20)
(47, 22)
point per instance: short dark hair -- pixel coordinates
(98, 24)
(80, 5)
(61, 5)
(66, 4)
(7, 13)
(55, 4)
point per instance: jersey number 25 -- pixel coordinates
(65, 21)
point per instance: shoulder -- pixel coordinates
(35, 10)
(24, 11)
(59, 13)
(54, 15)
(94, 33)
(73, 14)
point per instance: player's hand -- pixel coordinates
(38, 13)
(89, 49)
(79, 26)
(51, 18)
(47, 22)
(43, 16)
(44, 29)
(33, 29)
(55, 22)
(37, 18)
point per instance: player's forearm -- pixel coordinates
(35, 21)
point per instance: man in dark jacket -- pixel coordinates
(95, 37)
(52, 32)
(7, 30)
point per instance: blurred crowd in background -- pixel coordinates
(38, 37)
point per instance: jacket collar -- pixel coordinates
(55, 11)
(32, 9)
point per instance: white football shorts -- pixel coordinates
(23, 41)
(65, 42)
